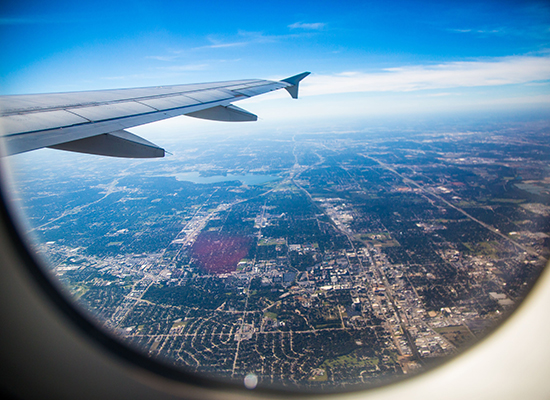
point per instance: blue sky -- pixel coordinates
(366, 58)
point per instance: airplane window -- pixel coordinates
(339, 244)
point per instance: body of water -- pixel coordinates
(531, 188)
(247, 179)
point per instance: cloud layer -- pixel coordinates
(501, 71)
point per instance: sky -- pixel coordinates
(368, 59)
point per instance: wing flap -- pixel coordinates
(115, 144)
(166, 103)
(206, 96)
(251, 91)
(20, 123)
(110, 111)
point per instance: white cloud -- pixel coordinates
(500, 31)
(187, 67)
(162, 58)
(499, 71)
(223, 45)
(460, 30)
(308, 26)
(245, 38)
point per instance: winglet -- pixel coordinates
(294, 81)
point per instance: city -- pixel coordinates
(351, 260)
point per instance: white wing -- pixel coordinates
(94, 121)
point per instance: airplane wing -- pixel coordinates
(95, 121)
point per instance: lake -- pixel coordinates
(247, 179)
